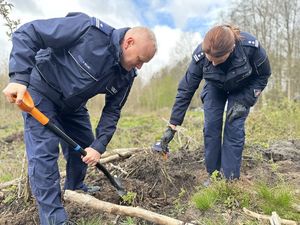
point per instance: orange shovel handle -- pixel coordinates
(27, 105)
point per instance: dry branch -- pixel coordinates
(270, 218)
(115, 154)
(91, 202)
(9, 183)
(120, 153)
(296, 207)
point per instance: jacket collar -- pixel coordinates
(236, 58)
(116, 39)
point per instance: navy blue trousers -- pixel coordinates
(42, 147)
(223, 149)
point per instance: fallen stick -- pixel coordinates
(118, 168)
(122, 151)
(9, 183)
(266, 217)
(92, 202)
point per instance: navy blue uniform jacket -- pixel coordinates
(70, 60)
(245, 77)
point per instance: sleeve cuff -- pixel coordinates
(97, 145)
(175, 122)
(20, 78)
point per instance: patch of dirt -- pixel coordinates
(160, 185)
(16, 137)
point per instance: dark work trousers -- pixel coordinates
(223, 149)
(43, 152)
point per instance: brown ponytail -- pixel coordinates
(220, 40)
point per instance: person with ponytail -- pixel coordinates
(236, 69)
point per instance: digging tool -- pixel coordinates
(27, 105)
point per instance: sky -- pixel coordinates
(178, 25)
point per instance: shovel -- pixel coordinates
(27, 105)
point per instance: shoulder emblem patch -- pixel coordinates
(253, 43)
(198, 56)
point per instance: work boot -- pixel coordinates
(92, 189)
(215, 176)
(207, 182)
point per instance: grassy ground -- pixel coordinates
(276, 121)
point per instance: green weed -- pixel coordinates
(129, 221)
(129, 198)
(179, 207)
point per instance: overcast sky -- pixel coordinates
(173, 21)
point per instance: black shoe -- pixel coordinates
(215, 176)
(92, 189)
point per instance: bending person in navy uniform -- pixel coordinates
(236, 69)
(63, 62)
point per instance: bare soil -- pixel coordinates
(162, 186)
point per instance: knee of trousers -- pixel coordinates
(212, 128)
(44, 177)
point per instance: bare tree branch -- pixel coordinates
(5, 9)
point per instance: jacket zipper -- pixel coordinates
(42, 75)
(81, 66)
(126, 92)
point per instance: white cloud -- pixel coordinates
(121, 14)
(117, 15)
(169, 42)
(192, 8)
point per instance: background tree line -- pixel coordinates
(275, 23)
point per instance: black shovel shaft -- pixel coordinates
(51, 126)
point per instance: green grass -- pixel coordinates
(206, 198)
(278, 198)
(229, 194)
(265, 198)
(276, 121)
(128, 221)
(4, 177)
(93, 221)
(263, 127)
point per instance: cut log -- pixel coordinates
(92, 202)
(266, 217)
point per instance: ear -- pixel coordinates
(128, 42)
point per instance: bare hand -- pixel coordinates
(92, 156)
(14, 92)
